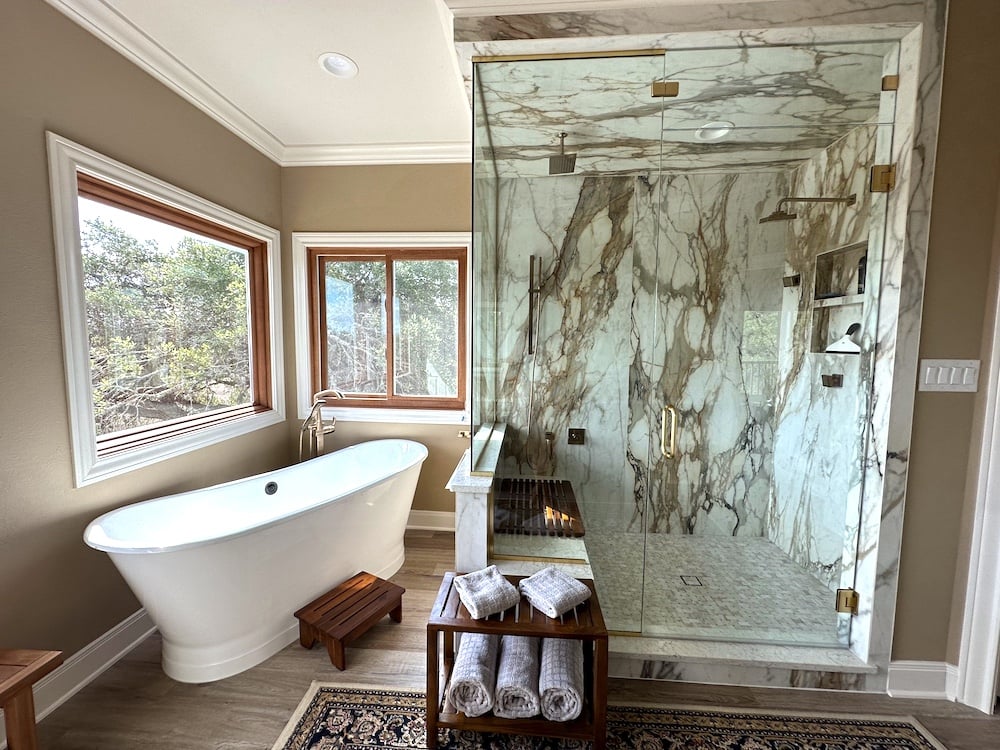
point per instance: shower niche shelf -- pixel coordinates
(838, 293)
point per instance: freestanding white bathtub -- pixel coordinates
(221, 570)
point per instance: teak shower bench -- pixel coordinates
(348, 611)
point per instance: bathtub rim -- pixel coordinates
(155, 550)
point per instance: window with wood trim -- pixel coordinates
(176, 317)
(388, 326)
(170, 313)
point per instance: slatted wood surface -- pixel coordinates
(19, 670)
(348, 611)
(536, 507)
(449, 616)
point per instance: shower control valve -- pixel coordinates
(576, 436)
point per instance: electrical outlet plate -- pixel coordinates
(576, 436)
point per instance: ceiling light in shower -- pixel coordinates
(714, 131)
(338, 65)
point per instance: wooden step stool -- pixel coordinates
(348, 611)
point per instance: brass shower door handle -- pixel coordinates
(670, 450)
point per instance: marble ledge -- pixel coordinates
(738, 654)
(462, 481)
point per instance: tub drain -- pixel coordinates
(270, 488)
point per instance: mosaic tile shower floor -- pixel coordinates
(721, 588)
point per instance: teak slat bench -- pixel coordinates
(348, 611)
(19, 670)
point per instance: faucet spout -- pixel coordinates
(314, 428)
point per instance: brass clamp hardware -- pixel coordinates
(848, 601)
(833, 381)
(883, 178)
(661, 89)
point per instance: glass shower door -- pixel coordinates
(760, 356)
(566, 151)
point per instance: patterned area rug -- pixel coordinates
(332, 716)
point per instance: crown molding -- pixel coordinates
(377, 153)
(122, 36)
(115, 30)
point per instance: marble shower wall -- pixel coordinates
(714, 297)
(582, 228)
(647, 284)
(819, 431)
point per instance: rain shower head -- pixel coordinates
(562, 163)
(780, 214)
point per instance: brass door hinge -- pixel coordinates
(665, 88)
(890, 83)
(883, 178)
(848, 601)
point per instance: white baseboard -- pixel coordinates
(86, 665)
(431, 520)
(923, 679)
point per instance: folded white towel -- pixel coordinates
(560, 680)
(474, 675)
(553, 592)
(486, 592)
(517, 678)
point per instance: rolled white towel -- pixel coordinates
(486, 592)
(560, 681)
(474, 675)
(553, 592)
(517, 678)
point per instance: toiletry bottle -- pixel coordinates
(862, 268)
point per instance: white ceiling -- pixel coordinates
(253, 66)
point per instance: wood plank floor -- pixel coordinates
(134, 705)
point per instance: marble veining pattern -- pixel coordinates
(785, 104)
(920, 26)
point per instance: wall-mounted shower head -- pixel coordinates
(562, 163)
(780, 214)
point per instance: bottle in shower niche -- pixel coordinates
(862, 269)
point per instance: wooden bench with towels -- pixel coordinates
(348, 611)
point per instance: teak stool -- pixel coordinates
(348, 611)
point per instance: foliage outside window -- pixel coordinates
(388, 326)
(167, 315)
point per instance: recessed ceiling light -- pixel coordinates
(714, 131)
(338, 65)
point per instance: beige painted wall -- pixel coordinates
(55, 591)
(963, 219)
(400, 198)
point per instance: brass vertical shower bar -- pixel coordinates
(533, 290)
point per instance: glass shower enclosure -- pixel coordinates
(676, 263)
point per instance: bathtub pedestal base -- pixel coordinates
(348, 611)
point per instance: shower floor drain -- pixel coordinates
(691, 581)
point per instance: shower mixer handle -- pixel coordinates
(668, 447)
